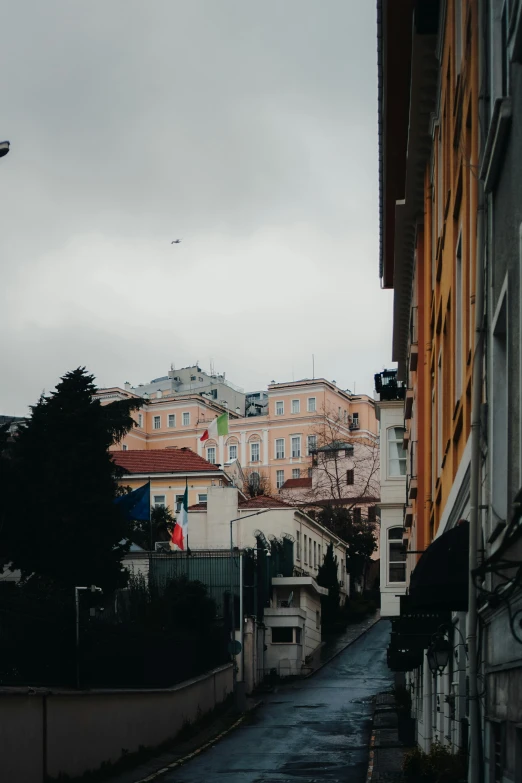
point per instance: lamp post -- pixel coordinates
(93, 589)
(4, 148)
(231, 581)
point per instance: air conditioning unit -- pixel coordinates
(279, 576)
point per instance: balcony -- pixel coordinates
(408, 404)
(388, 387)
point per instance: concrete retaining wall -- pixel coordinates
(53, 732)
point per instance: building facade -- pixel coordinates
(393, 565)
(451, 230)
(277, 444)
(429, 191)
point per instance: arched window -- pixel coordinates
(254, 445)
(396, 556)
(211, 452)
(232, 446)
(396, 454)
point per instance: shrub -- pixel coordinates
(440, 765)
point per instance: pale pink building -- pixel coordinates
(276, 443)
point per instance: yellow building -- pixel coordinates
(429, 141)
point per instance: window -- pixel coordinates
(310, 551)
(179, 503)
(280, 408)
(254, 481)
(311, 405)
(159, 501)
(357, 514)
(310, 472)
(124, 447)
(298, 636)
(350, 475)
(172, 420)
(311, 443)
(296, 406)
(202, 499)
(232, 451)
(280, 448)
(372, 514)
(298, 546)
(186, 419)
(140, 419)
(499, 409)
(282, 635)
(355, 421)
(254, 452)
(396, 556)
(315, 554)
(211, 454)
(296, 446)
(296, 473)
(319, 554)
(396, 454)
(305, 551)
(157, 422)
(280, 478)
(317, 619)
(458, 319)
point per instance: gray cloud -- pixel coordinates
(250, 130)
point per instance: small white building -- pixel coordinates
(293, 620)
(390, 413)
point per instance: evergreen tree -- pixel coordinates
(58, 521)
(327, 577)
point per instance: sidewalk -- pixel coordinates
(336, 644)
(386, 750)
(158, 765)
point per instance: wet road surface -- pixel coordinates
(315, 730)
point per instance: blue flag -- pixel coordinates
(136, 505)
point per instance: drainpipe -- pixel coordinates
(475, 527)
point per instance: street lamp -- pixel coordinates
(93, 589)
(233, 647)
(438, 654)
(4, 148)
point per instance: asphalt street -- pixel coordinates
(314, 730)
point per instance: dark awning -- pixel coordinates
(439, 581)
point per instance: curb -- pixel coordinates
(338, 652)
(179, 762)
(369, 774)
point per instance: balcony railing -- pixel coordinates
(388, 387)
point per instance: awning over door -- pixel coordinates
(439, 581)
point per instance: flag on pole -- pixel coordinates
(218, 427)
(180, 532)
(136, 505)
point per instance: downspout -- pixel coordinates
(475, 769)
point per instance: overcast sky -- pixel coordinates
(248, 129)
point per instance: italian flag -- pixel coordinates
(218, 427)
(180, 532)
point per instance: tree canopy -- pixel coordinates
(58, 520)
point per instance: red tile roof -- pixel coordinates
(161, 461)
(296, 483)
(263, 501)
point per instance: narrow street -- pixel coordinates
(315, 730)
